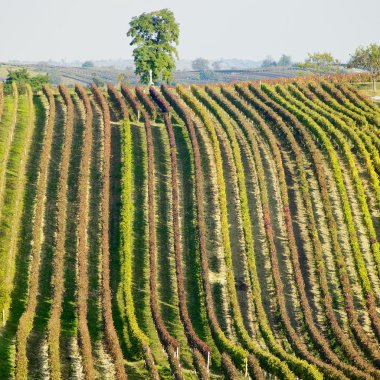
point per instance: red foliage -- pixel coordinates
(128, 95)
(146, 102)
(117, 98)
(160, 100)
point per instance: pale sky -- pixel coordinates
(247, 29)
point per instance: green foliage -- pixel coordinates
(360, 103)
(126, 223)
(54, 324)
(237, 354)
(341, 140)
(38, 81)
(88, 64)
(326, 143)
(7, 126)
(27, 319)
(322, 63)
(298, 366)
(267, 360)
(98, 81)
(121, 78)
(155, 36)
(358, 119)
(320, 124)
(367, 58)
(22, 77)
(319, 115)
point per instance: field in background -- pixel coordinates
(68, 76)
(4, 71)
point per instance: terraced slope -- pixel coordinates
(211, 232)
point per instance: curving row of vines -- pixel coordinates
(238, 230)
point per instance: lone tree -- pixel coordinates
(155, 36)
(322, 63)
(367, 58)
(285, 60)
(200, 64)
(217, 65)
(268, 62)
(88, 64)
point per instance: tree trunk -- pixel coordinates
(374, 84)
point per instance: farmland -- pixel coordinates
(213, 232)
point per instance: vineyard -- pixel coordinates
(212, 232)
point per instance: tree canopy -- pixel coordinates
(22, 76)
(268, 62)
(200, 64)
(88, 64)
(155, 36)
(217, 65)
(285, 60)
(367, 58)
(321, 63)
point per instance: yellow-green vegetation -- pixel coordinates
(366, 88)
(207, 232)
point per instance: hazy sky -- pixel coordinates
(248, 29)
